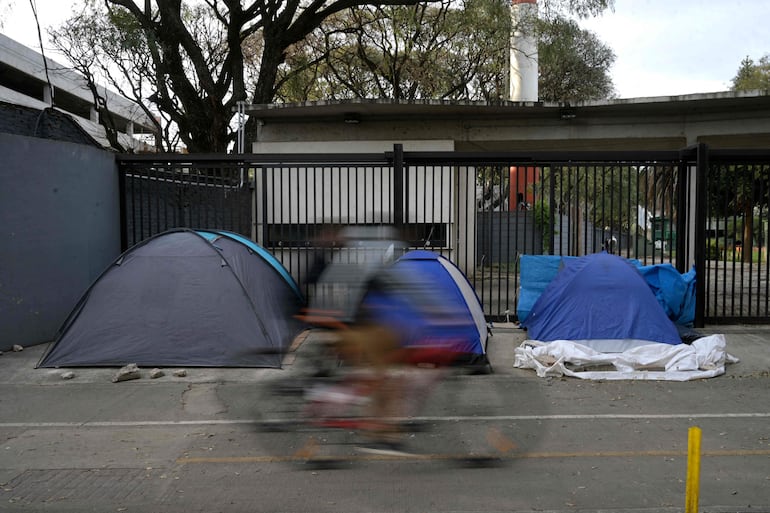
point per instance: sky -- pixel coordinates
(675, 47)
(662, 47)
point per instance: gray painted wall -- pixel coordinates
(59, 229)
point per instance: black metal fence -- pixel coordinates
(158, 194)
(483, 211)
(734, 232)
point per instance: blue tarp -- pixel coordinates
(537, 271)
(675, 291)
(599, 297)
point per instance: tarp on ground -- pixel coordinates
(184, 299)
(704, 358)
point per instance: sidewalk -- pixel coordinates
(750, 344)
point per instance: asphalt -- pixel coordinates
(57, 431)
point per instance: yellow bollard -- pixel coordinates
(693, 470)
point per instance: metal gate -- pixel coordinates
(483, 211)
(734, 236)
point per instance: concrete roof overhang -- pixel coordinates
(740, 119)
(381, 110)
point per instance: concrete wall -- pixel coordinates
(503, 236)
(59, 206)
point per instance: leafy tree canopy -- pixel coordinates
(573, 63)
(443, 50)
(752, 75)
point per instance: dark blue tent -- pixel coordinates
(602, 301)
(184, 299)
(431, 303)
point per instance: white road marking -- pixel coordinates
(467, 418)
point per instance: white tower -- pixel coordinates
(523, 72)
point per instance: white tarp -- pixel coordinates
(704, 358)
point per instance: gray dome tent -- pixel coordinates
(184, 299)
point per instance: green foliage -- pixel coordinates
(713, 250)
(436, 50)
(736, 189)
(544, 222)
(604, 195)
(580, 8)
(752, 76)
(444, 50)
(573, 63)
(737, 193)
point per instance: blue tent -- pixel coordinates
(602, 301)
(674, 291)
(430, 301)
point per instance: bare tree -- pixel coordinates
(196, 55)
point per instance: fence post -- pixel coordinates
(683, 221)
(398, 185)
(701, 179)
(551, 214)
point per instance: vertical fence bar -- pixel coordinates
(724, 249)
(154, 199)
(164, 185)
(631, 218)
(137, 183)
(486, 231)
(594, 209)
(444, 226)
(644, 192)
(584, 214)
(500, 261)
(700, 229)
(552, 210)
(730, 255)
(739, 250)
(610, 217)
(122, 205)
(682, 231)
(194, 208)
(398, 185)
(763, 254)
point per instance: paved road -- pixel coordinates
(193, 443)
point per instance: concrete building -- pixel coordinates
(26, 84)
